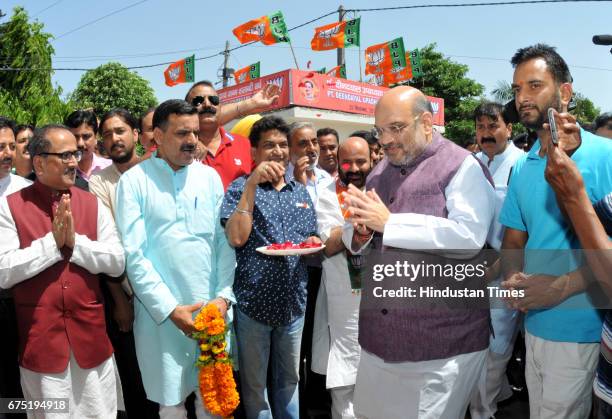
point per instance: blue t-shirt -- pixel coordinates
(531, 206)
(272, 289)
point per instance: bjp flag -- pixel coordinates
(338, 71)
(182, 71)
(247, 73)
(336, 35)
(267, 29)
(382, 58)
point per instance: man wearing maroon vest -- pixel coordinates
(427, 194)
(55, 240)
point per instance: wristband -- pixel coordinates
(241, 211)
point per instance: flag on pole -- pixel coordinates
(336, 35)
(247, 73)
(267, 29)
(415, 62)
(321, 70)
(338, 71)
(398, 74)
(182, 71)
(381, 58)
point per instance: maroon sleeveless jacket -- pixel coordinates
(420, 334)
(60, 309)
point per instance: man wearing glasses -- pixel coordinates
(56, 239)
(427, 195)
(229, 154)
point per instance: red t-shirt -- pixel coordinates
(233, 157)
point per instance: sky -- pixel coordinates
(157, 31)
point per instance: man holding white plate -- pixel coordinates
(257, 211)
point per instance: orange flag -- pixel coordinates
(267, 29)
(381, 58)
(398, 74)
(182, 71)
(336, 35)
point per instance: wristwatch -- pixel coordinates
(228, 302)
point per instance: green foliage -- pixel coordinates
(113, 86)
(585, 110)
(503, 92)
(447, 79)
(28, 96)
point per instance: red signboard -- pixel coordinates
(310, 89)
(247, 89)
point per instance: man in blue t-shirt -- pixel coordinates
(562, 341)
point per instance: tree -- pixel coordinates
(28, 96)
(447, 79)
(585, 110)
(113, 86)
(503, 92)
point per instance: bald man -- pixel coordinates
(427, 194)
(336, 350)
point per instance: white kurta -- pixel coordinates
(441, 387)
(341, 304)
(105, 255)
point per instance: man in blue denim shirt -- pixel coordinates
(259, 210)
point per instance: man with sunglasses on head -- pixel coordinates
(56, 239)
(229, 154)
(427, 195)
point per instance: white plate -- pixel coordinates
(289, 252)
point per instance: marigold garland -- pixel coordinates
(216, 377)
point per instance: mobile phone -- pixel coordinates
(554, 134)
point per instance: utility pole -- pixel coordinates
(340, 51)
(226, 71)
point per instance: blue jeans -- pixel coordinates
(258, 345)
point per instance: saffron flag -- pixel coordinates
(398, 74)
(182, 71)
(267, 29)
(415, 62)
(338, 71)
(247, 73)
(336, 35)
(381, 58)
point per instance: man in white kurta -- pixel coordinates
(56, 239)
(177, 254)
(426, 195)
(339, 298)
(499, 154)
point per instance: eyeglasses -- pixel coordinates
(198, 100)
(66, 156)
(394, 130)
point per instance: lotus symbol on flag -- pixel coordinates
(327, 34)
(242, 77)
(257, 30)
(174, 73)
(375, 58)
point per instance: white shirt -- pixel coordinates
(12, 183)
(105, 255)
(500, 168)
(502, 163)
(322, 179)
(342, 305)
(470, 203)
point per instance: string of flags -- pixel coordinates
(387, 63)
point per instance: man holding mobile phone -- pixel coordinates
(562, 344)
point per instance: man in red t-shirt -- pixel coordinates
(229, 154)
